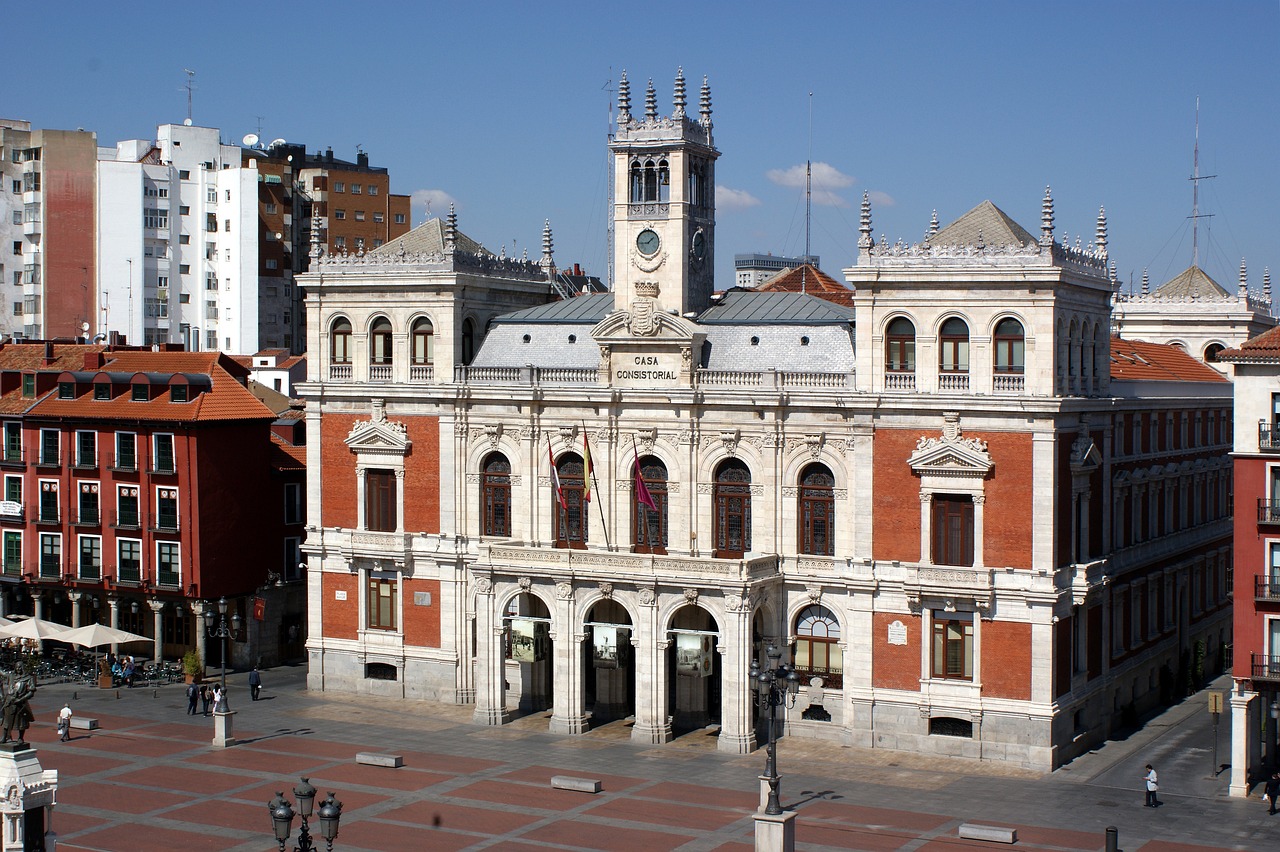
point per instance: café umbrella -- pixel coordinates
(33, 628)
(97, 635)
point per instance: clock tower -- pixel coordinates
(664, 212)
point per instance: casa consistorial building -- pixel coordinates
(974, 522)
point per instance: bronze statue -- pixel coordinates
(16, 691)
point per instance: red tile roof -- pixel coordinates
(1263, 349)
(814, 282)
(286, 456)
(1138, 360)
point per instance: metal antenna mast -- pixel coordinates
(191, 76)
(1195, 179)
(808, 198)
(609, 211)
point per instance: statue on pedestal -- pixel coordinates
(16, 691)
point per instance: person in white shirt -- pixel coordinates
(64, 722)
(1152, 787)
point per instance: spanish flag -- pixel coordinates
(555, 477)
(643, 497)
(587, 470)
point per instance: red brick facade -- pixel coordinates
(421, 622)
(895, 666)
(338, 485)
(422, 475)
(339, 618)
(1006, 660)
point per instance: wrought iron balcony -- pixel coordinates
(1266, 588)
(1268, 511)
(1265, 668)
(1268, 437)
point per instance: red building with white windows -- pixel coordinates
(141, 485)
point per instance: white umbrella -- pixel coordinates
(97, 635)
(4, 622)
(33, 628)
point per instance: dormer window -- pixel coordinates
(102, 390)
(178, 393)
(140, 393)
(28, 385)
(66, 390)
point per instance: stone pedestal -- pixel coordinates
(1244, 741)
(764, 790)
(30, 793)
(775, 833)
(222, 729)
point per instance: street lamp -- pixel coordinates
(223, 632)
(329, 814)
(776, 686)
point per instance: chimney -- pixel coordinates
(328, 154)
(362, 159)
(93, 360)
(48, 352)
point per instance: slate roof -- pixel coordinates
(585, 310)
(809, 279)
(748, 307)
(1138, 360)
(986, 221)
(1263, 349)
(1192, 283)
(428, 238)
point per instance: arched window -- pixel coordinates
(340, 342)
(468, 341)
(1211, 352)
(571, 517)
(650, 531)
(732, 501)
(817, 651)
(423, 342)
(953, 350)
(900, 346)
(380, 341)
(817, 511)
(1009, 342)
(495, 496)
(650, 181)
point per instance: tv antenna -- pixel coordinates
(808, 198)
(190, 85)
(612, 91)
(1195, 179)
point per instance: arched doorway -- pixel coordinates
(526, 635)
(609, 676)
(693, 670)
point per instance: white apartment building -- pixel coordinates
(177, 241)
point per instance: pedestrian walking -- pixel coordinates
(205, 695)
(1153, 785)
(64, 724)
(193, 695)
(1272, 791)
(255, 684)
(217, 698)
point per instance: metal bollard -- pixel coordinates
(1113, 839)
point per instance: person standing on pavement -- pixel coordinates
(205, 695)
(255, 683)
(1152, 786)
(1272, 791)
(64, 724)
(193, 695)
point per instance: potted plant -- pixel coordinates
(192, 667)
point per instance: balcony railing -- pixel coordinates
(13, 457)
(88, 518)
(49, 460)
(163, 522)
(48, 516)
(899, 381)
(1266, 588)
(126, 520)
(1268, 511)
(339, 372)
(379, 372)
(953, 382)
(1008, 383)
(422, 372)
(1265, 668)
(124, 462)
(1268, 437)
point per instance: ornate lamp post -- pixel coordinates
(223, 632)
(328, 814)
(776, 686)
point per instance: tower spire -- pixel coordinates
(1266, 283)
(317, 249)
(704, 103)
(1046, 218)
(1244, 279)
(451, 231)
(678, 112)
(624, 100)
(1100, 239)
(546, 262)
(864, 225)
(933, 225)
(650, 103)
(1146, 283)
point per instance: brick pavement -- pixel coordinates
(150, 780)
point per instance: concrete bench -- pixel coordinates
(993, 833)
(577, 785)
(84, 723)
(372, 758)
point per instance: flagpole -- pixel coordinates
(635, 454)
(596, 484)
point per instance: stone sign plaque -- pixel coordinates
(897, 633)
(340, 594)
(645, 369)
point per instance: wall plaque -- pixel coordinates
(897, 633)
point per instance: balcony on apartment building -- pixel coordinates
(1264, 668)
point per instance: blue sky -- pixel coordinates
(504, 108)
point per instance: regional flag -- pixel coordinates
(587, 471)
(643, 497)
(555, 478)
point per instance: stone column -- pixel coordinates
(157, 607)
(75, 598)
(653, 725)
(567, 716)
(38, 599)
(197, 609)
(491, 698)
(114, 603)
(737, 733)
(926, 509)
(1244, 740)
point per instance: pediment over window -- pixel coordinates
(625, 326)
(378, 434)
(951, 454)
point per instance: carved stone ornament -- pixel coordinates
(645, 438)
(815, 592)
(643, 321)
(378, 434)
(952, 454)
(691, 596)
(525, 583)
(564, 591)
(729, 440)
(493, 431)
(648, 264)
(733, 602)
(646, 596)
(484, 586)
(606, 590)
(567, 435)
(1084, 454)
(814, 443)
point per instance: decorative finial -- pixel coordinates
(650, 103)
(678, 112)
(316, 248)
(1266, 283)
(624, 100)
(1244, 278)
(546, 262)
(1100, 241)
(981, 242)
(451, 230)
(1111, 274)
(864, 224)
(1046, 218)
(704, 103)
(933, 224)
(1146, 283)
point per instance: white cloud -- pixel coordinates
(881, 199)
(826, 179)
(734, 199)
(437, 199)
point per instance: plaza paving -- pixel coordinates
(149, 779)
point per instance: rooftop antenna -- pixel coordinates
(259, 117)
(1195, 179)
(191, 76)
(808, 198)
(610, 91)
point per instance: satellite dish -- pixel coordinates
(249, 140)
(84, 326)
(276, 143)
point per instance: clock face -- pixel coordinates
(647, 242)
(699, 245)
